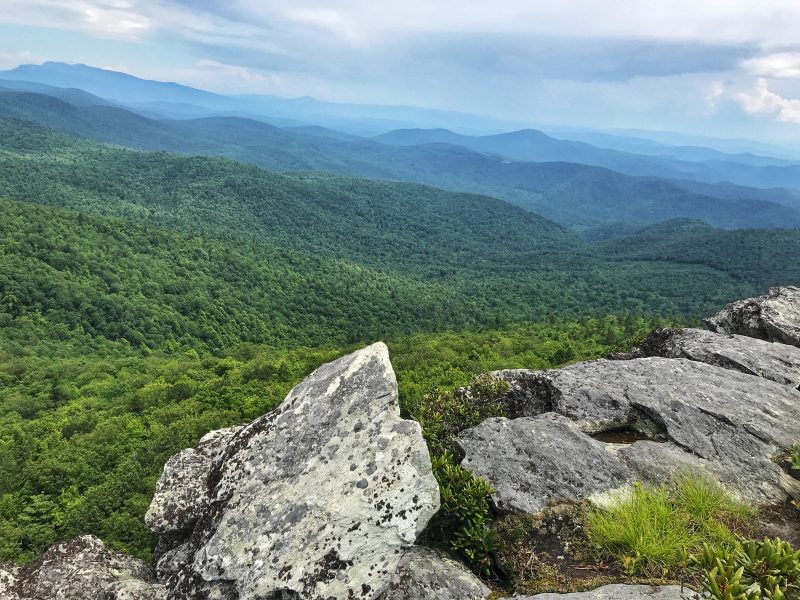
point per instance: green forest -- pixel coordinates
(147, 298)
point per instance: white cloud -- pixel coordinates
(761, 101)
(9, 60)
(780, 65)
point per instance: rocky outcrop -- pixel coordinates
(774, 317)
(621, 592)
(686, 415)
(182, 492)
(777, 362)
(319, 498)
(533, 460)
(424, 574)
(84, 568)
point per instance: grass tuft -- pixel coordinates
(652, 531)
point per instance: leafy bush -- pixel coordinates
(463, 519)
(794, 457)
(751, 570)
(652, 531)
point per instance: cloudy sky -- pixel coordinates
(717, 67)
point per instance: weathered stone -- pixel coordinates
(424, 574)
(319, 498)
(774, 317)
(8, 582)
(531, 461)
(81, 569)
(621, 592)
(182, 492)
(777, 362)
(698, 416)
(134, 589)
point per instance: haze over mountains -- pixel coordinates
(576, 184)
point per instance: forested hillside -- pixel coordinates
(146, 298)
(574, 195)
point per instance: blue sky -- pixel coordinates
(726, 68)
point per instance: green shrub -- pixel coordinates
(794, 457)
(751, 570)
(652, 531)
(444, 414)
(462, 522)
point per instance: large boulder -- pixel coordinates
(621, 592)
(774, 317)
(317, 500)
(424, 574)
(684, 415)
(84, 568)
(778, 362)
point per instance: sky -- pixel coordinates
(728, 68)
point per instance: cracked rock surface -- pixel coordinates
(774, 361)
(691, 414)
(774, 317)
(318, 499)
(424, 574)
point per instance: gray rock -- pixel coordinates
(319, 498)
(134, 589)
(8, 582)
(774, 317)
(182, 492)
(533, 460)
(83, 569)
(424, 574)
(777, 362)
(697, 416)
(621, 592)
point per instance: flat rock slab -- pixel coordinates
(85, 569)
(773, 361)
(424, 574)
(774, 317)
(621, 592)
(695, 416)
(533, 460)
(318, 499)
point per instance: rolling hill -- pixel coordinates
(574, 195)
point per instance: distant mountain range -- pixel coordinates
(576, 195)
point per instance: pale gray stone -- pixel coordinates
(134, 589)
(82, 569)
(774, 361)
(700, 417)
(774, 317)
(531, 461)
(622, 592)
(319, 498)
(182, 492)
(424, 574)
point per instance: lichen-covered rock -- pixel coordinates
(531, 461)
(424, 574)
(83, 569)
(318, 499)
(694, 416)
(774, 317)
(8, 581)
(134, 589)
(182, 492)
(777, 362)
(621, 592)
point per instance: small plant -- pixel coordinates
(794, 457)
(463, 519)
(751, 570)
(444, 414)
(653, 530)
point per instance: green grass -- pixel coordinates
(652, 531)
(794, 457)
